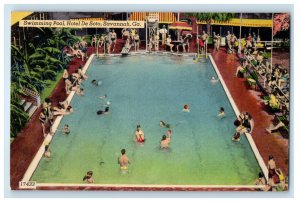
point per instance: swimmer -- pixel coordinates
(79, 91)
(103, 97)
(88, 178)
(101, 112)
(221, 113)
(236, 137)
(163, 124)
(213, 79)
(47, 152)
(106, 102)
(123, 160)
(186, 108)
(139, 135)
(168, 134)
(66, 129)
(96, 83)
(164, 143)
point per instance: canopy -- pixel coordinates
(180, 26)
(16, 16)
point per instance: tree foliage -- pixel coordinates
(35, 62)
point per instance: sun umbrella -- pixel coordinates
(180, 26)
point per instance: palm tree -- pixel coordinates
(38, 60)
(212, 17)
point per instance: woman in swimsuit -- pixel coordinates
(246, 123)
(139, 135)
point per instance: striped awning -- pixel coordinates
(180, 26)
(16, 16)
(163, 17)
(243, 22)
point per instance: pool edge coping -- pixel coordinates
(34, 163)
(237, 113)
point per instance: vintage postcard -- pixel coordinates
(152, 101)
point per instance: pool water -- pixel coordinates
(144, 90)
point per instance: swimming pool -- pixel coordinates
(143, 90)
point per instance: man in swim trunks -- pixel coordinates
(123, 160)
(113, 39)
(83, 45)
(205, 37)
(136, 42)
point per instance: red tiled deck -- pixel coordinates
(246, 100)
(25, 146)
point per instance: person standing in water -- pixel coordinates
(139, 134)
(123, 160)
(164, 143)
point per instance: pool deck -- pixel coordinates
(249, 100)
(26, 145)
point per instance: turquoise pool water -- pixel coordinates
(144, 90)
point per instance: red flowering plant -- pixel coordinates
(281, 22)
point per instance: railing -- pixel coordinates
(34, 95)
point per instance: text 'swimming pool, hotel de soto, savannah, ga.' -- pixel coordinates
(150, 101)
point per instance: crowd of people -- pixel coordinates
(276, 180)
(49, 112)
(276, 80)
(273, 81)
